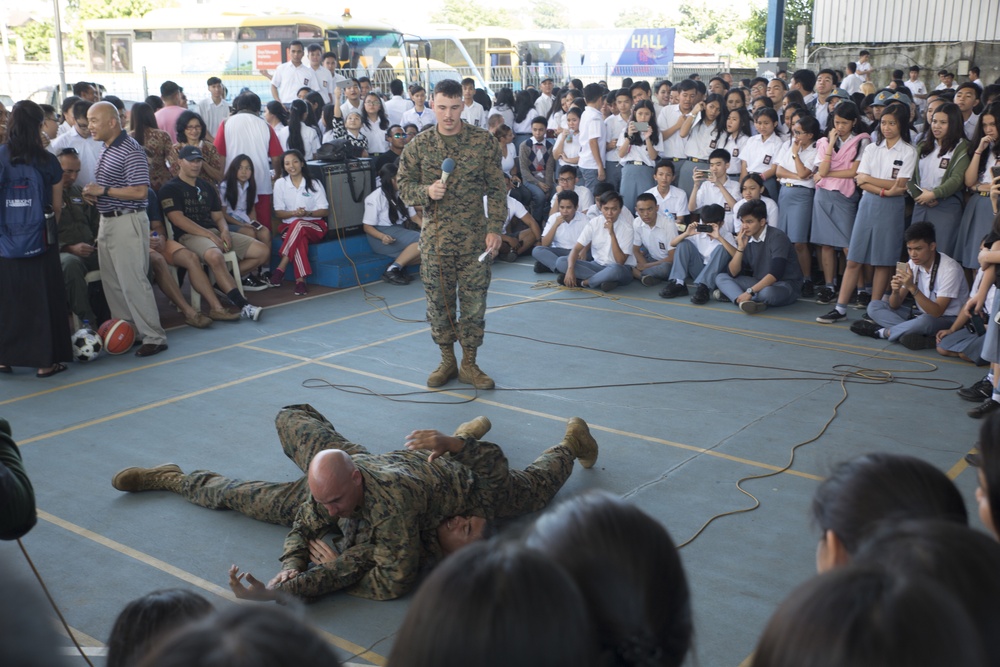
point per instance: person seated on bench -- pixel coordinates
(300, 203)
(393, 228)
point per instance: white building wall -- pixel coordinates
(880, 21)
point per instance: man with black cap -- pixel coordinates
(174, 104)
(193, 207)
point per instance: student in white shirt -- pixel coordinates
(396, 105)
(703, 132)
(615, 126)
(352, 95)
(885, 168)
(290, 76)
(610, 238)
(796, 165)
(863, 66)
(374, 124)
(567, 148)
(473, 112)
(966, 98)
(942, 158)
(300, 203)
(593, 139)
(738, 132)
(947, 80)
(392, 227)
(651, 246)
(637, 152)
(701, 253)
(567, 179)
(936, 282)
(671, 201)
(715, 186)
(504, 107)
(546, 99)
(561, 232)
(557, 113)
(760, 154)
(852, 82)
(214, 109)
(238, 191)
(524, 112)
(917, 88)
(977, 220)
(420, 115)
(672, 118)
(89, 149)
(520, 230)
(320, 78)
(752, 189)
(301, 136)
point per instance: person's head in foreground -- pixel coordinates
(147, 619)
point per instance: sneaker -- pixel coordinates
(609, 285)
(510, 257)
(861, 301)
(983, 409)
(977, 392)
(974, 458)
(673, 289)
(832, 317)
(561, 279)
(918, 341)
(541, 268)
(251, 312)
(265, 277)
(649, 281)
(751, 307)
(276, 278)
(866, 328)
(825, 295)
(808, 289)
(701, 294)
(300, 288)
(393, 277)
(719, 296)
(252, 283)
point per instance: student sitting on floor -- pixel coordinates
(937, 284)
(610, 240)
(560, 233)
(392, 227)
(964, 338)
(520, 231)
(765, 270)
(702, 252)
(651, 248)
(567, 180)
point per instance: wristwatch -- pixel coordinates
(751, 292)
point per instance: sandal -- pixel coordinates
(56, 368)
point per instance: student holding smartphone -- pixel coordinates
(238, 191)
(983, 168)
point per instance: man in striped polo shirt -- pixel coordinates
(122, 179)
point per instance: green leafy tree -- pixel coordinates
(797, 12)
(36, 36)
(706, 26)
(115, 9)
(469, 15)
(640, 17)
(548, 14)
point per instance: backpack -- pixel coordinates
(22, 215)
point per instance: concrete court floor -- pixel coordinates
(676, 449)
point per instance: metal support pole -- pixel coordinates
(59, 52)
(775, 28)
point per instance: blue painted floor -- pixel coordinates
(685, 400)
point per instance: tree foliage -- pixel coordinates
(641, 17)
(796, 12)
(37, 36)
(706, 26)
(549, 15)
(115, 9)
(469, 15)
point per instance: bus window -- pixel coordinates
(499, 43)
(209, 34)
(475, 48)
(96, 44)
(309, 31)
(121, 53)
(167, 35)
(144, 35)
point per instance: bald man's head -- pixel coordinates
(335, 482)
(103, 121)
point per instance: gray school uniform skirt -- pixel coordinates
(636, 179)
(833, 217)
(877, 238)
(991, 341)
(977, 221)
(946, 218)
(404, 238)
(964, 342)
(795, 212)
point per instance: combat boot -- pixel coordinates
(166, 477)
(579, 441)
(446, 370)
(470, 373)
(474, 429)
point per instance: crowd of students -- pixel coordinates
(902, 580)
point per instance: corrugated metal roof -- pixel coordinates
(873, 21)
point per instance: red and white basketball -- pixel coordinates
(118, 336)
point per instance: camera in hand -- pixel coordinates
(975, 325)
(704, 228)
(995, 170)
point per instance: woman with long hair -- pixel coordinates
(374, 124)
(638, 150)
(392, 227)
(34, 318)
(191, 131)
(738, 132)
(979, 213)
(524, 112)
(703, 131)
(300, 203)
(796, 165)
(238, 192)
(504, 106)
(301, 137)
(156, 143)
(277, 117)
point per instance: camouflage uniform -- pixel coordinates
(455, 227)
(386, 543)
(79, 223)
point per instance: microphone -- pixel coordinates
(447, 167)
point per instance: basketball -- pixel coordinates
(118, 336)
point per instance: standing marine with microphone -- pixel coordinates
(456, 229)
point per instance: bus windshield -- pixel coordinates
(539, 52)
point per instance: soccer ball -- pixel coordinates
(87, 345)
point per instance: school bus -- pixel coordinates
(133, 56)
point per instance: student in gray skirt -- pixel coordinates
(984, 160)
(796, 163)
(393, 228)
(877, 238)
(942, 158)
(835, 205)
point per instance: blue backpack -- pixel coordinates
(22, 213)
